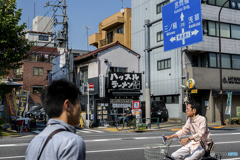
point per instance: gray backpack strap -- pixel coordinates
(48, 139)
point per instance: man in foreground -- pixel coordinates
(199, 131)
(61, 103)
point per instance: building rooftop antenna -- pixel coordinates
(87, 28)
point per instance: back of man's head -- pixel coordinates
(54, 95)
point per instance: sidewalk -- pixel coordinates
(169, 126)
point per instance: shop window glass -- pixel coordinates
(235, 31)
(235, 62)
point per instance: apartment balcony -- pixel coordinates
(18, 76)
(117, 37)
(112, 22)
(94, 38)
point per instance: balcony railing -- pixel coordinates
(17, 76)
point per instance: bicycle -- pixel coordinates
(160, 151)
(120, 123)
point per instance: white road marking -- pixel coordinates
(13, 145)
(12, 157)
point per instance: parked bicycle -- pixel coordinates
(121, 123)
(160, 151)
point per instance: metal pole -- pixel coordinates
(147, 74)
(220, 63)
(88, 104)
(65, 24)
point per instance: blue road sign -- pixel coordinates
(182, 24)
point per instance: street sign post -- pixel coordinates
(182, 24)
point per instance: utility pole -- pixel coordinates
(65, 33)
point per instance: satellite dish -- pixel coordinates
(122, 10)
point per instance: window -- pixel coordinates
(175, 99)
(110, 37)
(120, 30)
(235, 62)
(37, 71)
(84, 74)
(204, 60)
(195, 61)
(43, 38)
(235, 31)
(33, 57)
(214, 60)
(168, 99)
(18, 73)
(159, 36)
(218, 3)
(164, 64)
(211, 28)
(159, 6)
(225, 30)
(118, 69)
(37, 89)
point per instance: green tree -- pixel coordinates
(13, 45)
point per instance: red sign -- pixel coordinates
(136, 105)
(91, 85)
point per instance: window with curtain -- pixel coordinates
(235, 31)
(235, 61)
(211, 28)
(225, 30)
(38, 71)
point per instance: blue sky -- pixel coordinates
(80, 13)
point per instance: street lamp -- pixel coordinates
(220, 61)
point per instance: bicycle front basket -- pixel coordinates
(155, 151)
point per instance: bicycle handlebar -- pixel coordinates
(165, 140)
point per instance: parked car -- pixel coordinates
(36, 112)
(158, 110)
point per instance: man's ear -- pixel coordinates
(194, 110)
(66, 105)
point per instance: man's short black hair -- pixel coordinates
(195, 105)
(129, 108)
(54, 95)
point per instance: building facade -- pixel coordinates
(114, 28)
(169, 70)
(113, 70)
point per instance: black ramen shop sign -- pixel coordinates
(231, 80)
(125, 81)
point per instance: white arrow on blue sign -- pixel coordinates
(182, 24)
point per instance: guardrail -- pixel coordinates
(149, 125)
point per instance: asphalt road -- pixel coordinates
(106, 145)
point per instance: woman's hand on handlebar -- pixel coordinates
(168, 137)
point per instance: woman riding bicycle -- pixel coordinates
(199, 131)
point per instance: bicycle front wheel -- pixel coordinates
(119, 125)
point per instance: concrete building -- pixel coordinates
(106, 69)
(114, 28)
(199, 61)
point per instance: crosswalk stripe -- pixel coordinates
(92, 130)
(36, 131)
